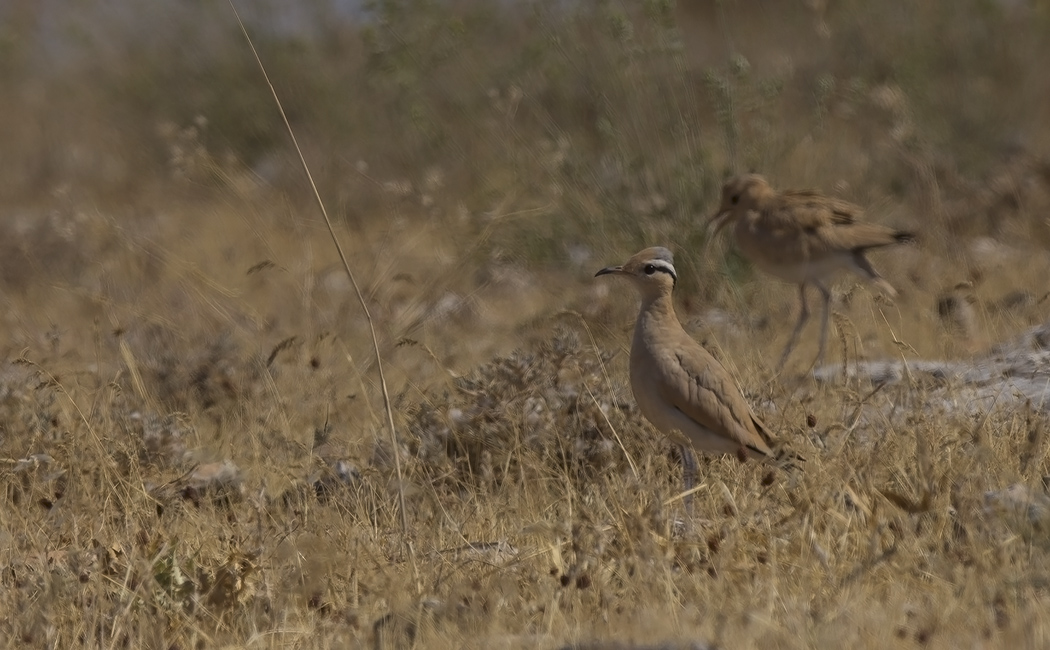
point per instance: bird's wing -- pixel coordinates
(814, 210)
(826, 226)
(696, 384)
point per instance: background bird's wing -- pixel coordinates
(824, 225)
(814, 210)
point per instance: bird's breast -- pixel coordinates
(791, 255)
(646, 376)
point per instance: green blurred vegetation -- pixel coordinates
(588, 116)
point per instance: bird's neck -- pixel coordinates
(657, 306)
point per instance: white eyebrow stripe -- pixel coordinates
(666, 267)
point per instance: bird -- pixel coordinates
(803, 237)
(679, 387)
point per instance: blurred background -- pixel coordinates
(481, 160)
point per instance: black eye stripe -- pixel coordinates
(663, 267)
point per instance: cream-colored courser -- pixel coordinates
(679, 386)
(802, 237)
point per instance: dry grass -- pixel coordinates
(192, 447)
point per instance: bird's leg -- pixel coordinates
(689, 469)
(803, 316)
(826, 295)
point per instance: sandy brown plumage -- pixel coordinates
(679, 387)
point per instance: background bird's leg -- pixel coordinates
(803, 316)
(863, 268)
(826, 295)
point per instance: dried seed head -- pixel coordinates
(713, 543)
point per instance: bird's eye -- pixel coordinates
(735, 199)
(650, 269)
